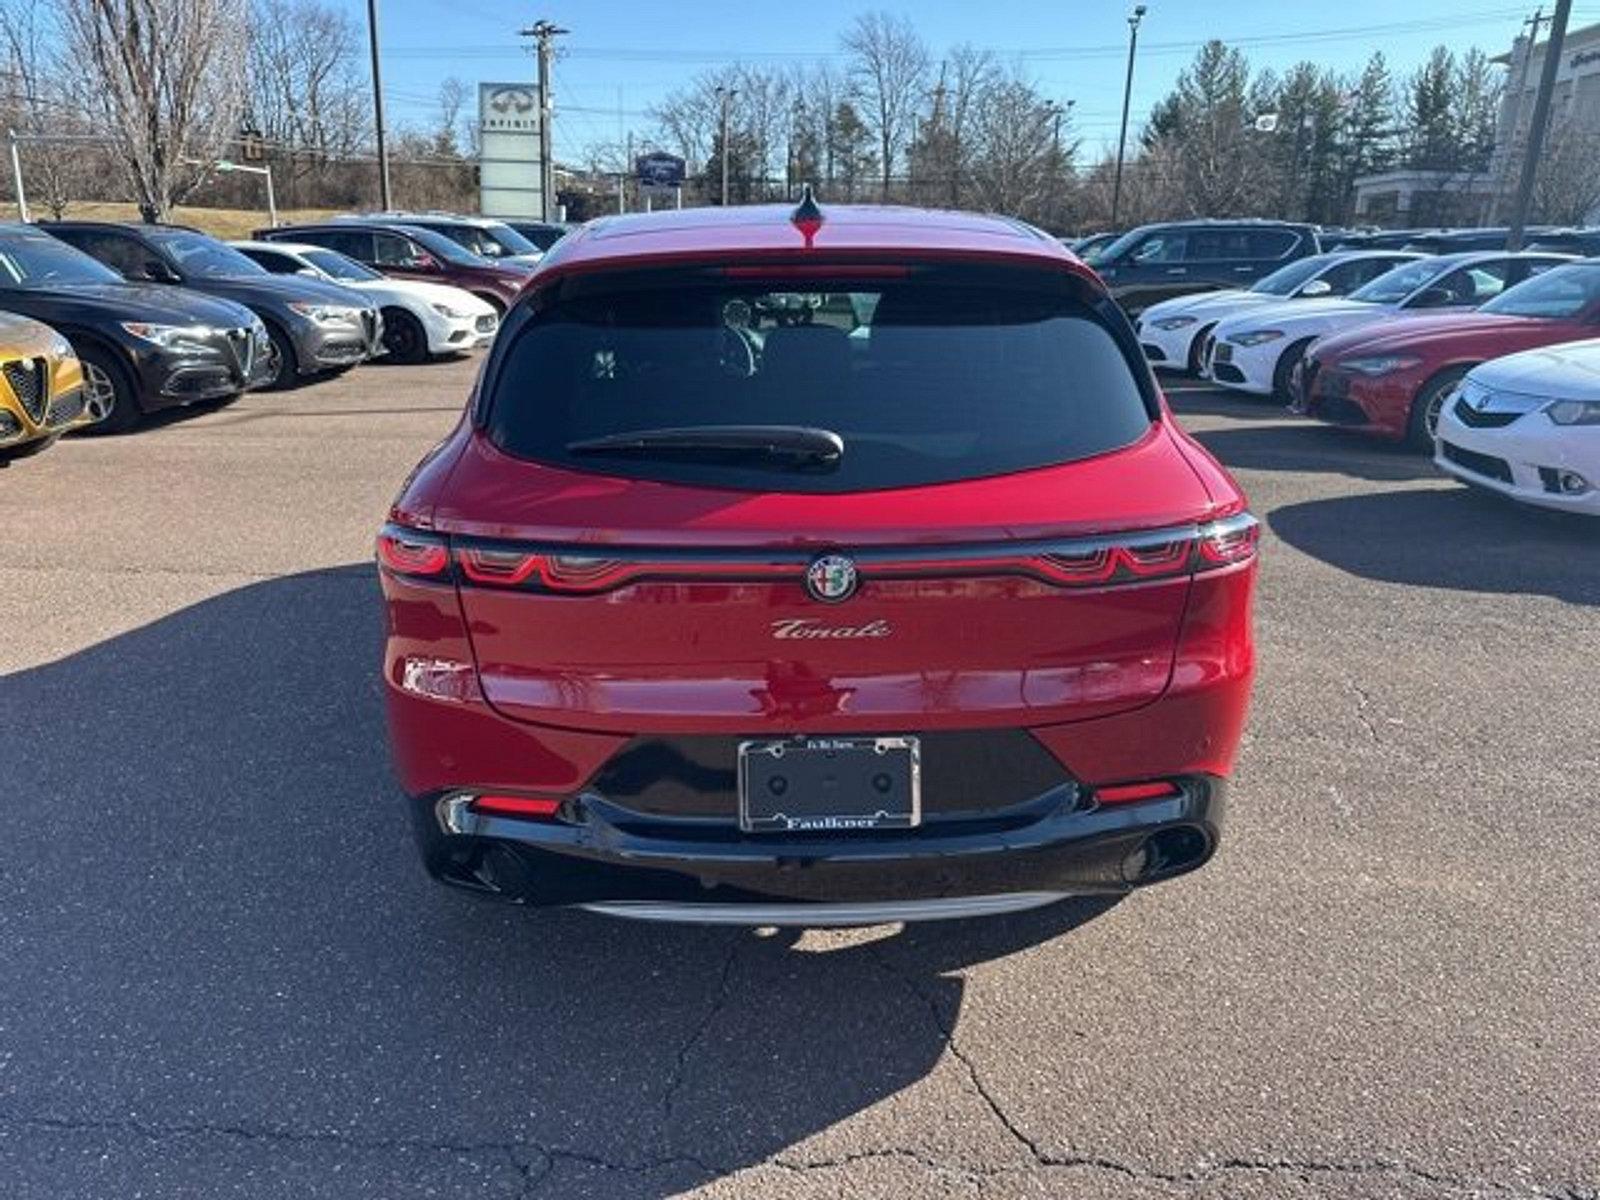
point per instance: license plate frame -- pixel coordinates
(829, 785)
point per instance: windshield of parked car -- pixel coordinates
(1116, 249)
(1286, 279)
(1562, 292)
(203, 257)
(944, 375)
(337, 266)
(442, 247)
(37, 260)
(1394, 286)
(488, 241)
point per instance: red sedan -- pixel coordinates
(815, 568)
(1392, 379)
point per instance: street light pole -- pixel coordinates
(1127, 94)
(385, 200)
(1536, 128)
(727, 95)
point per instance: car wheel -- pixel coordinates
(1284, 371)
(108, 392)
(1197, 348)
(281, 361)
(1422, 424)
(403, 337)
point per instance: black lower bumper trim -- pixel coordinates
(589, 859)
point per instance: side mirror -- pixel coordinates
(1317, 287)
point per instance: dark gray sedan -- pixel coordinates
(314, 326)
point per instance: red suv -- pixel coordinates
(819, 568)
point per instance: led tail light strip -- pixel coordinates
(1089, 562)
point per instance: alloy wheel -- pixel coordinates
(99, 391)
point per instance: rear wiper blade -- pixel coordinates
(798, 443)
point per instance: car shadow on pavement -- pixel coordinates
(1197, 398)
(217, 931)
(1449, 538)
(1301, 445)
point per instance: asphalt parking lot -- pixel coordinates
(223, 972)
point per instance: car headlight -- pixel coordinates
(325, 314)
(1574, 412)
(1170, 323)
(453, 314)
(187, 339)
(1379, 364)
(1256, 337)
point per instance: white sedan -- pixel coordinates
(1175, 333)
(1258, 350)
(1528, 426)
(419, 318)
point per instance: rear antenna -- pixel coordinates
(807, 215)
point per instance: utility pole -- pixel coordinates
(1127, 94)
(1536, 128)
(1514, 124)
(385, 199)
(544, 34)
(727, 95)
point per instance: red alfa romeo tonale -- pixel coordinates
(815, 567)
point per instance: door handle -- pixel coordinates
(1177, 270)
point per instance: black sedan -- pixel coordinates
(142, 347)
(314, 326)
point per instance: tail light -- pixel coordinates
(412, 553)
(1090, 562)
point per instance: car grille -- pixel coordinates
(1474, 419)
(1153, 352)
(1331, 385)
(1479, 464)
(243, 345)
(1222, 352)
(486, 323)
(29, 380)
(10, 427)
(1226, 372)
(66, 407)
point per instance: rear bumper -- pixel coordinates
(1059, 844)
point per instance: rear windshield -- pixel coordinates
(938, 376)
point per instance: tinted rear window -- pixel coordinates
(939, 376)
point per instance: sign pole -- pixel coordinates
(16, 178)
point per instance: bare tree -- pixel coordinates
(40, 99)
(889, 74)
(1567, 187)
(306, 94)
(170, 80)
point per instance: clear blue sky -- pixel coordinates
(626, 54)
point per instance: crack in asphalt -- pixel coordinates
(719, 997)
(1052, 1161)
(948, 1035)
(1363, 711)
(536, 1164)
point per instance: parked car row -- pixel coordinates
(1488, 360)
(103, 323)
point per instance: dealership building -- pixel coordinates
(1417, 198)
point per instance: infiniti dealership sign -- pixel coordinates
(509, 167)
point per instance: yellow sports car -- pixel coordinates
(41, 387)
